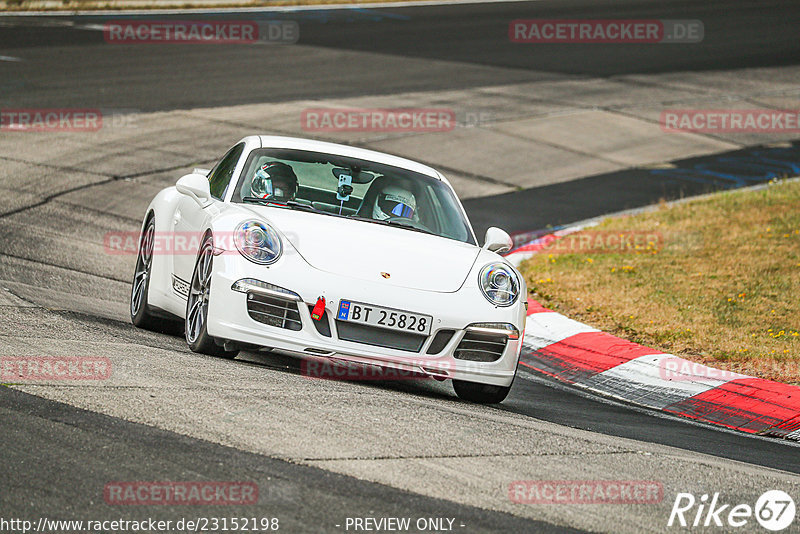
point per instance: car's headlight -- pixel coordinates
(499, 284)
(258, 242)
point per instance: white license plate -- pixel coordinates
(357, 312)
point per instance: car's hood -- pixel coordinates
(369, 251)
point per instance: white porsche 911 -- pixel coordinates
(331, 251)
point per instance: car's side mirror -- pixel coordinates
(497, 240)
(195, 186)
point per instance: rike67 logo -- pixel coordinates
(774, 510)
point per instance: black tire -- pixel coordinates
(141, 314)
(480, 393)
(197, 305)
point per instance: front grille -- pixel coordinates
(379, 337)
(481, 347)
(273, 311)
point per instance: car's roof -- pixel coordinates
(275, 141)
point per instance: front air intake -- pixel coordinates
(273, 311)
(481, 347)
(440, 341)
(322, 325)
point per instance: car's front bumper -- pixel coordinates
(228, 319)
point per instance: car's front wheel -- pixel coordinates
(197, 305)
(141, 315)
(480, 393)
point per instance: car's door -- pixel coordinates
(191, 220)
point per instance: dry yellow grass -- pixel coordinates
(719, 284)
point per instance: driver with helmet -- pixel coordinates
(275, 181)
(395, 202)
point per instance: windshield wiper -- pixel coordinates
(402, 224)
(399, 224)
(258, 200)
(293, 204)
(366, 219)
(301, 206)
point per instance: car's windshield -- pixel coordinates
(349, 187)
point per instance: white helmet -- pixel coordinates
(394, 201)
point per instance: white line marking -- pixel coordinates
(265, 9)
(10, 58)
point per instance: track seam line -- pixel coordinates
(99, 212)
(20, 297)
(667, 86)
(56, 167)
(71, 269)
(626, 80)
(564, 148)
(628, 114)
(67, 236)
(110, 179)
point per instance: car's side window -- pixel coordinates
(220, 176)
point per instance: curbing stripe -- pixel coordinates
(583, 356)
(546, 328)
(787, 429)
(747, 404)
(646, 380)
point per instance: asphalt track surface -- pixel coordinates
(576, 200)
(74, 66)
(59, 455)
(104, 448)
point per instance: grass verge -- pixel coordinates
(714, 280)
